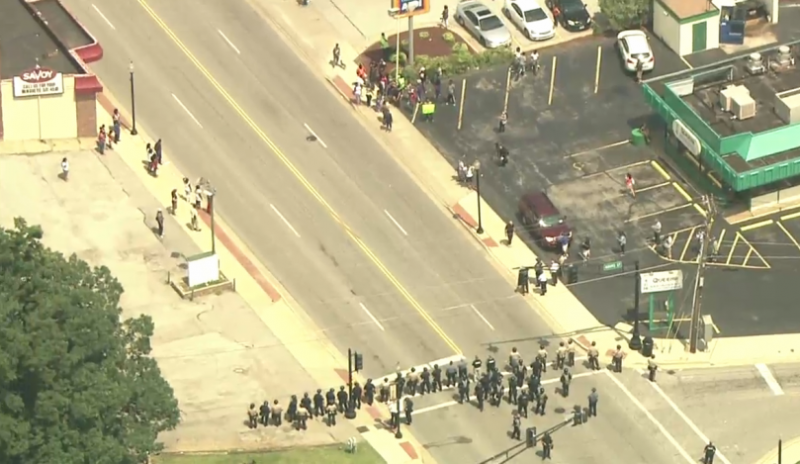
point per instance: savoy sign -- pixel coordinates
(37, 82)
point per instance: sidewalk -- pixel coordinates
(274, 307)
(790, 453)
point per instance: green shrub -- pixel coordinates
(459, 46)
(403, 58)
(449, 37)
(424, 35)
(461, 61)
(404, 43)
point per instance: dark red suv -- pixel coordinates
(543, 220)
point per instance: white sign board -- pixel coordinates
(664, 281)
(37, 82)
(687, 138)
(203, 269)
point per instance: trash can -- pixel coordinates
(530, 437)
(572, 274)
(647, 346)
(637, 138)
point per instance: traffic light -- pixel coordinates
(359, 361)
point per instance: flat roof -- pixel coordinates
(684, 9)
(24, 42)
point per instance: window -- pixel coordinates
(491, 23)
(532, 16)
(550, 221)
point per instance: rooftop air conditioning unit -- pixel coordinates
(755, 64)
(743, 107)
(726, 96)
(784, 57)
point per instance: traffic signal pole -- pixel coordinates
(350, 411)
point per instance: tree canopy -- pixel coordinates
(625, 14)
(76, 383)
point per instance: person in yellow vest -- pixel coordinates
(428, 110)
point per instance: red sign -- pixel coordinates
(38, 74)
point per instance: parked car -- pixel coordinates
(530, 18)
(633, 46)
(574, 16)
(476, 18)
(542, 219)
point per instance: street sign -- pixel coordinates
(664, 281)
(612, 266)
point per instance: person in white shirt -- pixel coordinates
(65, 169)
(542, 279)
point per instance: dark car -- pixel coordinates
(543, 220)
(573, 14)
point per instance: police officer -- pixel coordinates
(437, 378)
(463, 368)
(319, 403)
(541, 402)
(451, 372)
(413, 381)
(536, 368)
(408, 409)
(302, 419)
(330, 396)
(356, 398)
(566, 379)
(277, 413)
(593, 397)
(252, 416)
(291, 411)
(538, 268)
(383, 393)
(476, 367)
(522, 403)
(512, 390)
(331, 410)
(619, 355)
(369, 392)
(555, 272)
(594, 357)
(708, 453)
(463, 391)
(305, 403)
(264, 413)
(485, 385)
(491, 364)
(547, 445)
(571, 353)
(652, 367)
(561, 355)
(514, 360)
(425, 378)
(516, 429)
(542, 357)
(479, 395)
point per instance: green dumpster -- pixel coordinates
(637, 138)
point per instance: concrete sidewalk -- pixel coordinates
(273, 306)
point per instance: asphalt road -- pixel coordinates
(324, 268)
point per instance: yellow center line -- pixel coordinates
(300, 177)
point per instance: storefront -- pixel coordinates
(44, 104)
(686, 26)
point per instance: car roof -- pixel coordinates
(541, 203)
(484, 13)
(637, 41)
(527, 5)
(472, 5)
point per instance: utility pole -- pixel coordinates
(697, 296)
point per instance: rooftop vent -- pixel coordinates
(755, 64)
(783, 59)
(743, 106)
(787, 106)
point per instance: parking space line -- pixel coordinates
(460, 104)
(682, 192)
(663, 211)
(597, 70)
(660, 170)
(483, 318)
(604, 147)
(757, 225)
(721, 237)
(578, 166)
(753, 249)
(733, 248)
(772, 382)
(653, 187)
(791, 237)
(552, 80)
(747, 256)
(416, 110)
(790, 216)
(508, 90)
(700, 210)
(688, 242)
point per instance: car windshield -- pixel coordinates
(532, 16)
(491, 23)
(550, 221)
(572, 5)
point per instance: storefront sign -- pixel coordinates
(665, 281)
(687, 138)
(37, 82)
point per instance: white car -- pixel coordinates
(530, 18)
(633, 46)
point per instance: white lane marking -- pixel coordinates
(447, 404)
(103, 16)
(311, 131)
(226, 39)
(396, 223)
(772, 382)
(374, 319)
(655, 422)
(178, 100)
(686, 419)
(486, 321)
(288, 224)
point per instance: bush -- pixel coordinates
(424, 35)
(449, 37)
(462, 61)
(460, 46)
(403, 58)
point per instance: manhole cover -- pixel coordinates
(240, 370)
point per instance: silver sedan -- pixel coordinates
(486, 26)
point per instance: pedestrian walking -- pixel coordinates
(622, 240)
(337, 56)
(652, 367)
(101, 140)
(547, 446)
(542, 280)
(555, 272)
(451, 93)
(708, 453)
(160, 222)
(445, 17)
(586, 249)
(639, 70)
(594, 357)
(668, 242)
(330, 411)
(117, 124)
(64, 169)
(502, 153)
(357, 89)
(617, 357)
(501, 127)
(593, 398)
(516, 426)
(657, 233)
(533, 62)
(174, 199)
(252, 416)
(509, 232)
(630, 184)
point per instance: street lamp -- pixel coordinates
(133, 101)
(398, 434)
(636, 339)
(477, 167)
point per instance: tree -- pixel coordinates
(625, 14)
(76, 384)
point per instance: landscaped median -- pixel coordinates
(321, 454)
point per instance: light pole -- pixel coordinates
(398, 434)
(477, 167)
(636, 339)
(133, 101)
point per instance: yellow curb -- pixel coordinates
(772, 456)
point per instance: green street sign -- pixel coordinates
(612, 266)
